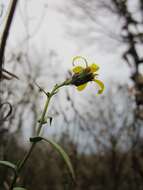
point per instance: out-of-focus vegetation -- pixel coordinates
(102, 135)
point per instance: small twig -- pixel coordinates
(8, 75)
(40, 88)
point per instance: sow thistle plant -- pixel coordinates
(80, 77)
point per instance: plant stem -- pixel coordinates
(43, 115)
(27, 155)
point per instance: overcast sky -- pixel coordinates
(52, 34)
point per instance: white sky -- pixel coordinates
(52, 35)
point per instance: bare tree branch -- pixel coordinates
(6, 33)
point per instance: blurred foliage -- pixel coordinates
(112, 169)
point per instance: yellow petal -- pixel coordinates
(79, 58)
(101, 85)
(81, 87)
(94, 67)
(77, 69)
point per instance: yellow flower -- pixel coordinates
(83, 75)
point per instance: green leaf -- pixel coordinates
(59, 150)
(9, 164)
(64, 156)
(19, 188)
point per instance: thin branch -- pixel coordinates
(6, 33)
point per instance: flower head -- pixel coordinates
(83, 75)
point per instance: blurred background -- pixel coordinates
(102, 134)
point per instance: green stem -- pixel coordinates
(43, 115)
(27, 155)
